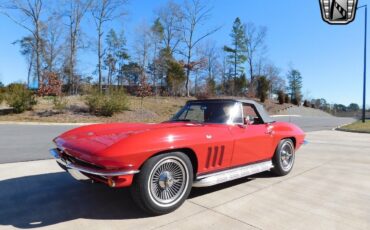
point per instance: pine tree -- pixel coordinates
(295, 86)
(157, 36)
(237, 52)
(263, 85)
(116, 55)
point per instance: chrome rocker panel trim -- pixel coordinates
(232, 174)
(103, 173)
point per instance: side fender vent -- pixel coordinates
(215, 156)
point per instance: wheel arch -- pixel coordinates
(187, 151)
(293, 139)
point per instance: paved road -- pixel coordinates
(32, 142)
(27, 142)
(316, 123)
(327, 189)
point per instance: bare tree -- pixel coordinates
(224, 69)
(142, 45)
(198, 68)
(171, 16)
(213, 68)
(75, 12)
(255, 49)
(27, 45)
(277, 83)
(104, 11)
(52, 33)
(27, 14)
(196, 13)
(210, 52)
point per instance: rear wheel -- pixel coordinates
(163, 183)
(283, 159)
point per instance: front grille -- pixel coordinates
(77, 161)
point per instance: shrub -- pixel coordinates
(286, 98)
(202, 96)
(60, 103)
(2, 96)
(50, 85)
(306, 103)
(263, 85)
(20, 98)
(280, 97)
(106, 104)
(144, 89)
(2, 92)
(297, 99)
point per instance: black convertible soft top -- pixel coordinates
(261, 111)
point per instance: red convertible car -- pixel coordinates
(206, 143)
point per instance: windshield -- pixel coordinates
(210, 112)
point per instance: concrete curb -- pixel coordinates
(339, 128)
(352, 131)
(42, 123)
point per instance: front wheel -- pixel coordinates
(163, 183)
(283, 159)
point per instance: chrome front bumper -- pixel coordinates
(77, 171)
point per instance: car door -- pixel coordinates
(252, 138)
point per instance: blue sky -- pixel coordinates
(329, 57)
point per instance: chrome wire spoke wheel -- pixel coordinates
(168, 181)
(287, 156)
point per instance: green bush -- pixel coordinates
(60, 103)
(263, 85)
(106, 104)
(20, 98)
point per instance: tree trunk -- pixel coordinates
(196, 84)
(99, 56)
(251, 84)
(235, 72)
(38, 61)
(70, 77)
(188, 74)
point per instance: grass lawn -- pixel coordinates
(357, 126)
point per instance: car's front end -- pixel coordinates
(86, 171)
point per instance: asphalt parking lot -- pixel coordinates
(28, 142)
(327, 189)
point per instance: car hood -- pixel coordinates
(95, 138)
